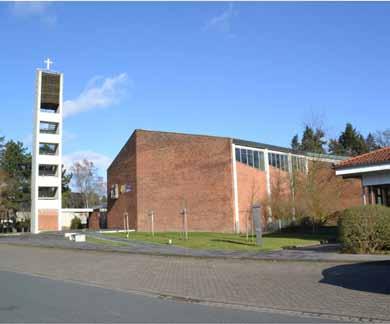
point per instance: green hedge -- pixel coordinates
(365, 229)
(76, 223)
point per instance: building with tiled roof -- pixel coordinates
(373, 169)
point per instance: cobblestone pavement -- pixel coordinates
(351, 289)
(328, 252)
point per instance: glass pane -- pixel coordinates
(47, 148)
(250, 158)
(47, 170)
(244, 157)
(256, 160)
(238, 155)
(277, 157)
(285, 163)
(262, 165)
(48, 127)
(47, 192)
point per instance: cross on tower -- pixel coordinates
(48, 62)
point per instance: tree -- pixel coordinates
(371, 143)
(87, 182)
(350, 142)
(312, 140)
(65, 189)
(317, 193)
(382, 138)
(15, 162)
(295, 145)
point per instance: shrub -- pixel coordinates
(365, 229)
(76, 223)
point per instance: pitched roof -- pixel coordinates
(380, 156)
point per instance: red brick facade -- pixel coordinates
(166, 172)
(252, 189)
(94, 220)
(48, 219)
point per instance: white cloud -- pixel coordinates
(223, 21)
(97, 94)
(34, 9)
(100, 161)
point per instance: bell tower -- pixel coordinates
(46, 173)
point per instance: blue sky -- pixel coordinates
(256, 71)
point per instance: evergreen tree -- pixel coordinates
(295, 145)
(350, 142)
(15, 162)
(371, 143)
(313, 140)
(334, 147)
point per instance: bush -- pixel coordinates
(76, 223)
(23, 225)
(365, 229)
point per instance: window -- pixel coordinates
(238, 155)
(256, 162)
(48, 170)
(278, 158)
(262, 165)
(285, 162)
(279, 161)
(48, 148)
(250, 158)
(48, 127)
(298, 163)
(47, 192)
(244, 157)
(49, 108)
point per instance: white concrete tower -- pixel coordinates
(47, 151)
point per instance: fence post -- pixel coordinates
(152, 221)
(185, 223)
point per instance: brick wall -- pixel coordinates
(121, 172)
(176, 170)
(251, 188)
(48, 220)
(94, 220)
(168, 171)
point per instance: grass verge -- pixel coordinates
(224, 241)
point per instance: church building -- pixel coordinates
(215, 179)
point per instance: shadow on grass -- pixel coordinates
(303, 236)
(371, 277)
(233, 242)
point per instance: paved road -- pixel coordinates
(343, 290)
(26, 298)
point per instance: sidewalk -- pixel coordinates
(328, 290)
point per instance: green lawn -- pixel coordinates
(221, 241)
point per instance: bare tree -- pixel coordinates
(281, 200)
(318, 193)
(87, 182)
(382, 138)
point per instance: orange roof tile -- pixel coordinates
(375, 157)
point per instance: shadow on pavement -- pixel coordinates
(371, 277)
